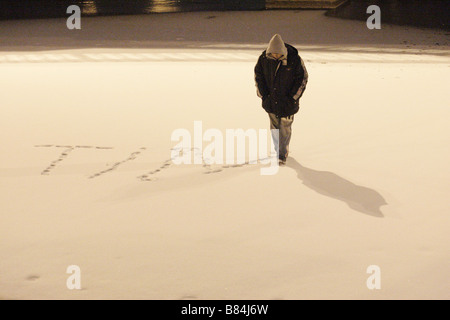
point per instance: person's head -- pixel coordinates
(276, 49)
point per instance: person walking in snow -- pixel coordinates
(280, 77)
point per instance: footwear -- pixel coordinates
(282, 161)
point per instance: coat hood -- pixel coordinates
(277, 45)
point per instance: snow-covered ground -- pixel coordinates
(86, 176)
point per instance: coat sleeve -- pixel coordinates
(301, 79)
(260, 81)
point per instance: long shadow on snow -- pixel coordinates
(329, 184)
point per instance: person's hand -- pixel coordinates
(291, 98)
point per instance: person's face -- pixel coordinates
(276, 55)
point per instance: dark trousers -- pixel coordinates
(281, 141)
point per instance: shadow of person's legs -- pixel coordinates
(329, 184)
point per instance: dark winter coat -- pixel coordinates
(281, 84)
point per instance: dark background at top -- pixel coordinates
(420, 13)
(20, 9)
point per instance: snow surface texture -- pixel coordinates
(86, 176)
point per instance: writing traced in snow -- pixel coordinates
(148, 176)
